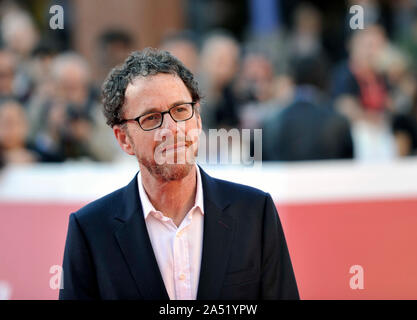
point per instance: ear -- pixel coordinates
(123, 139)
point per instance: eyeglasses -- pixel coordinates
(150, 121)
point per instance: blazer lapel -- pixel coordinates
(136, 246)
(134, 242)
(218, 234)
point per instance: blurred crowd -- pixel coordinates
(309, 107)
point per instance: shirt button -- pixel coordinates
(182, 276)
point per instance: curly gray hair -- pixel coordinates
(143, 63)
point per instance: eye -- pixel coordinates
(181, 108)
(151, 117)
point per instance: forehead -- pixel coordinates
(158, 91)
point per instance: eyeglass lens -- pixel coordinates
(178, 113)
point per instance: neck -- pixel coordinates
(173, 198)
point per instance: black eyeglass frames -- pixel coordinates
(152, 120)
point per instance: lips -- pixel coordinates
(173, 147)
(173, 152)
(176, 146)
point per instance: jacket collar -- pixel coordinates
(147, 206)
(134, 242)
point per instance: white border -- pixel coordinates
(296, 182)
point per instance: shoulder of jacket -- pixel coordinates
(103, 207)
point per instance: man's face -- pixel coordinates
(168, 152)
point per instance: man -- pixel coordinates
(173, 232)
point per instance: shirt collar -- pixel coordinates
(147, 206)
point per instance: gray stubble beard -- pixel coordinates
(166, 172)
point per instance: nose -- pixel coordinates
(168, 129)
(169, 123)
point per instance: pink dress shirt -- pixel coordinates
(177, 249)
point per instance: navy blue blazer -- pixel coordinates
(108, 253)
